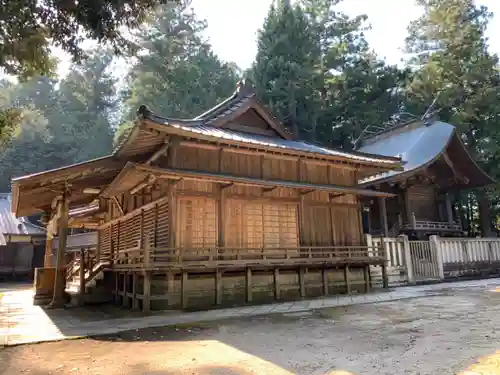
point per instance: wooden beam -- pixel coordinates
(453, 169)
(118, 205)
(160, 152)
(151, 179)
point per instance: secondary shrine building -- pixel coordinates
(225, 208)
(436, 167)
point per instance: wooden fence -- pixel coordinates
(438, 259)
(394, 249)
(470, 257)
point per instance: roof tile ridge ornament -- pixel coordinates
(144, 112)
(245, 88)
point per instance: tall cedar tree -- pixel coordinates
(455, 66)
(176, 73)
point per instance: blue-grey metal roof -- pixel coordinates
(416, 146)
(279, 143)
(10, 224)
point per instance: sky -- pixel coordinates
(233, 25)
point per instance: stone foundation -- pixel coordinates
(205, 290)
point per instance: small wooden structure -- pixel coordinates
(21, 244)
(225, 208)
(437, 165)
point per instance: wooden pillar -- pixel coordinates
(58, 299)
(248, 284)
(82, 272)
(276, 280)
(170, 288)
(449, 209)
(220, 216)
(146, 299)
(366, 274)
(117, 285)
(125, 290)
(302, 286)
(383, 217)
(47, 259)
(407, 202)
(324, 273)
(135, 300)
(347, 279)
(302, 217)
(218, 287)
(184, 281)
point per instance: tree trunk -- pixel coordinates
(484, 213)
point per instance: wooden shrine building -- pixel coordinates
(225, 208)
(436, 166)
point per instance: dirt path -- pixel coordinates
(441, 335)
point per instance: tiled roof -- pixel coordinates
(278, 143)
(417, 146)
(10, 224)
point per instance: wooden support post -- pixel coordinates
(383, 217)
(385, 252)
(407, 205)
(58, 299)
(218, 287)
(170, 288)
(347, 279)
(324, 273)
(302, 287)
(146, 254)
(248, 284)
(449, 208)
(125, 290)
(117, 286)
(47, 259)
(82, 274)
(220, 216)
(366, 274)
(276, 281)
(135, 300)
(146, 299)
(184, 297)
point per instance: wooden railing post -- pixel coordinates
(408, 260)
(438, 251)
(385, 278)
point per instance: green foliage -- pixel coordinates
(176, 73)
(29, 27)
(62, 122)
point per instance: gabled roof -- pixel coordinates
(208, 126)
(420, 145)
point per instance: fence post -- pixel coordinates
(408, 261)
(436, 246)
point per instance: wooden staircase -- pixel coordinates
(92, 289)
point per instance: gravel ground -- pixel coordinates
(452, 333)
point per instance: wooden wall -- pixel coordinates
(247, 216)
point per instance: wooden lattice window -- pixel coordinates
(280, 225)
(197, 223)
